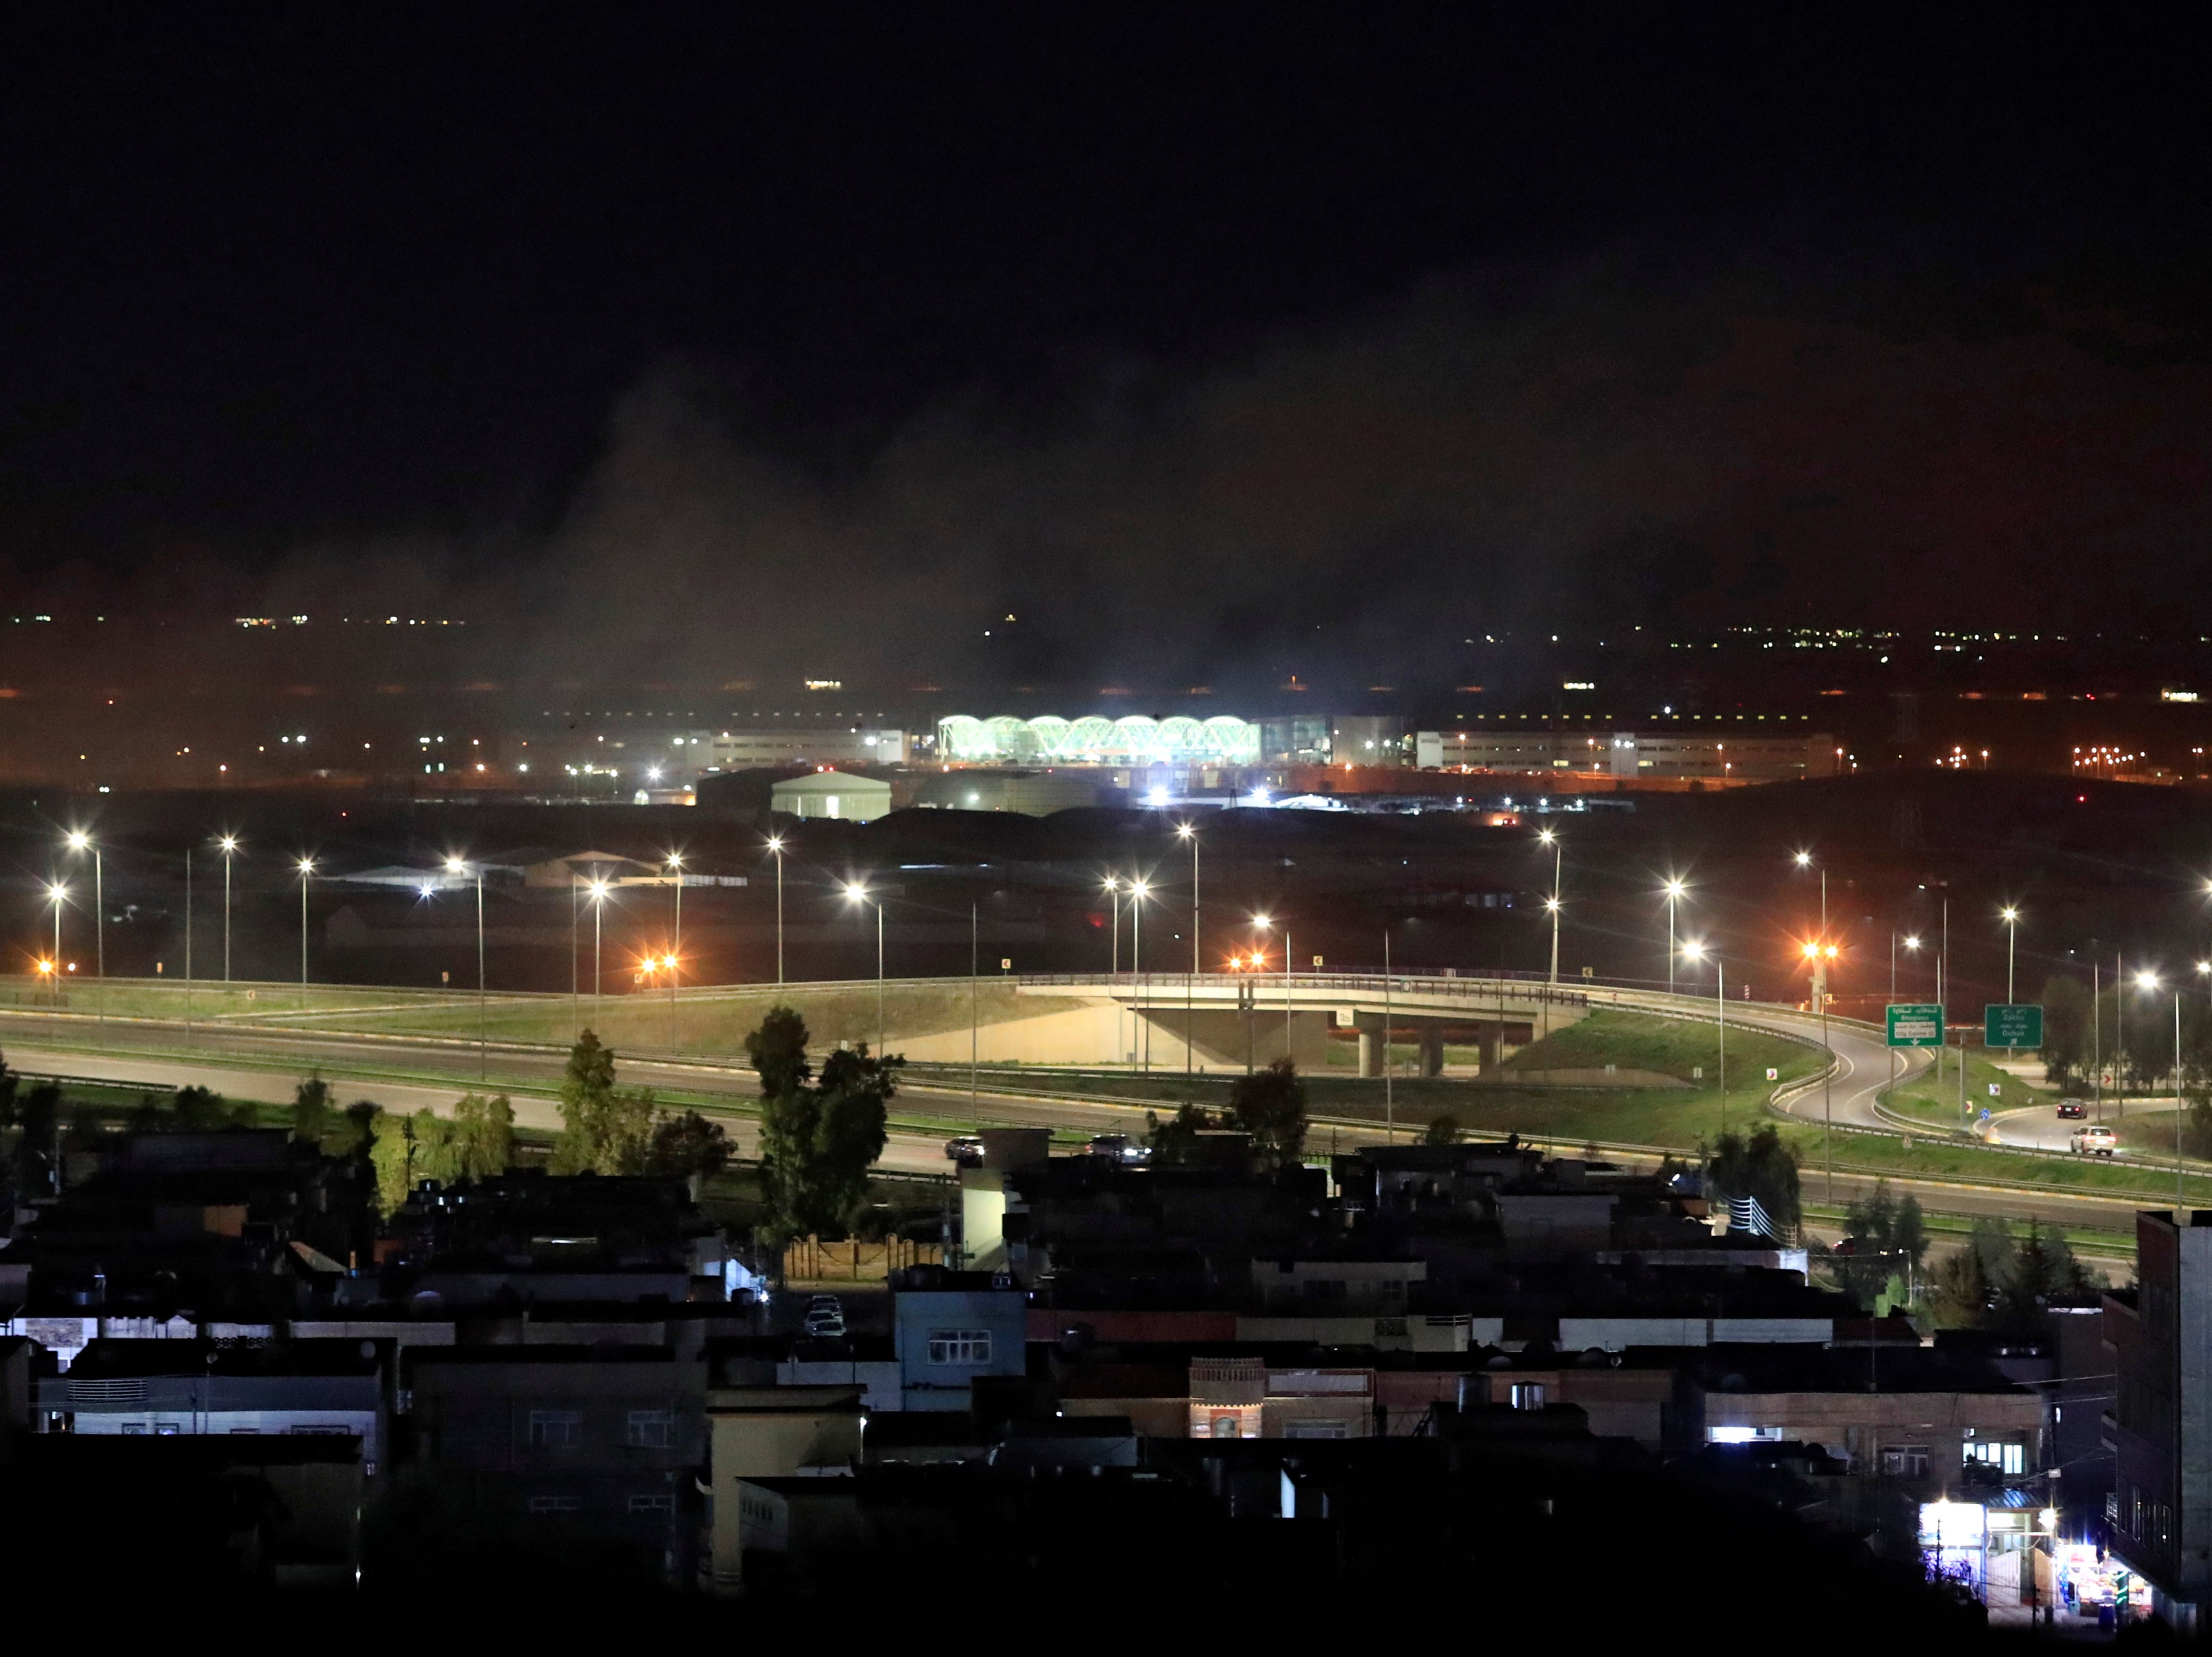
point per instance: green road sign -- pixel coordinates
(2018, 1024)
(1916, 1024)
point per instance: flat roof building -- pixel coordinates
(832, 794)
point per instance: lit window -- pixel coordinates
(1528, 1395)
(963, 1348)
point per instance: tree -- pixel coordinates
(1175, 1141)
(2066, 1014)
(482, 1136)
(434, 1149)
(818, 1139)
(1763, 1167)
(1883, 1240)
(312, 1107)
(1444, 1131)
(392, 1154)
(9, 1081)
(38, 1112)
(603, 1130)
(1269, 1105)
(200, 1110)
(688, 1146)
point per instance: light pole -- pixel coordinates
(2149, 981)
(2010, 916)
(575, 908)
(775, 844)
(454, 865)
(856, 893)
(229, 844)
(307, 872)
(1551, 904)
(1263, 924)
(1694, 950)
(1674, 889)
(1822, 955)
(188, 946)
(58, 891)
(675, 945)
(1138, 891)
(79, 842)
(1912, 947)
(1185, 831)
(1804, 860)
(599, 890)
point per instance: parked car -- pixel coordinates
(965, 1150)
(2095, 1141)
(1120, 1148)
(2072, 1110)
(825, 1317)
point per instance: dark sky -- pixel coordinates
(1201, 339)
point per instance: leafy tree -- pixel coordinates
(1175, 1140)
(349, 1135)
(8, 1083)
(1885, 1239)
(435, 1155)
(603, 1130)
(1763, 1166)
(818, 1139)
(689, 1146)
(38, 1112)
(200, 1110)
(1270, 1107)
(1444, 1131)
(1996, 1283)
(2066, 1014)
(392, 1154)
(482, 1132)
(313, 1108)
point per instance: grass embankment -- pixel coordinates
(703, 1023)
(1935, 1101)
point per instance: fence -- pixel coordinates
(810, 1259)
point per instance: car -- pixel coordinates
(965, 1150)
(2072, 1110)
(1120, 1148)
(825, 1317)
(2095, 1141)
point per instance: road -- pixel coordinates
(401, 1072)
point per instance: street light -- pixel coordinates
(455, 865)
(1188, 833)
(1546, 837)
(57, 892)
(306, 870)
(229, 844)
(1823, 956)
(2148, 981)
(1138, 891)
(1696, 951)
(597, 888)
(856, 893)
(80, 841)
(1674, 889)
(1263, 924)
(775, 844)
(676, 946)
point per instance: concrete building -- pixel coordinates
(2159, 1431)
(1719, 755)
(833, 794)
(755, 749)
(953, 1327)
(1030, 794)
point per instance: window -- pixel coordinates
(556, 1429)
(166, 1429)
(1995, 1457)
(1225, 1426)
(554, 1504)
(1528, 1395)
(1317, 1430)
(651, 1429)
(134, 1427)
(966, 1348)
(652, 1504)
(1905, 1461)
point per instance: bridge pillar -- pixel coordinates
(1432, 1048)
(1491, 1046)
(1373, 1044)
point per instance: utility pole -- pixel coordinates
(1389, 1103)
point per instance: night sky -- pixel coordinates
(1209, 344)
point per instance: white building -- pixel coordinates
(832, 794)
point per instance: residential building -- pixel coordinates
(2159, 1429)
(953, 1327)
(769, 1432)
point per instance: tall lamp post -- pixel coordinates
(1674, 889)
(1695, 950)
(455, 865)
(1138, 891)
(307, 873)
(1188, 833)
(856, 893)
(1546, 837)
(2149, 982)
(229, 844)
(775, 844)
(57, 893)
(676, 944)
(1822, 955)
(80, 841)
(1264, 924)
(598, 891)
